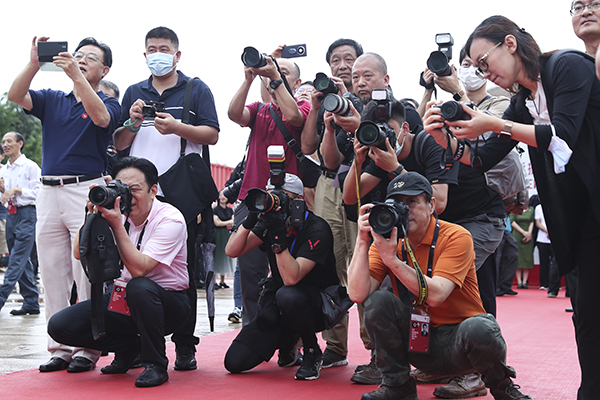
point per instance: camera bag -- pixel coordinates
(336, 304)
(188, 184)
(309, 168)
(101, 262)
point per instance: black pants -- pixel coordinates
(155, 312)
(507, 259)
(302, 317)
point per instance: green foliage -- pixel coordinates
(13, 118)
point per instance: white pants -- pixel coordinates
(61, 211)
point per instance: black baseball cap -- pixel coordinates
(409, 184)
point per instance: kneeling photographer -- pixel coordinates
(384, 147)
(445, 331)
(299, 246)
(151, 241)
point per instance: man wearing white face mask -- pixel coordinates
(158, 139)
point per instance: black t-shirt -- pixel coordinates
(314, 242)
(471, 197)
(224, 214)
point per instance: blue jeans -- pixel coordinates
(20, 235)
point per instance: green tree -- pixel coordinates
(13, 118)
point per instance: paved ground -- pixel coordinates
(23, 339)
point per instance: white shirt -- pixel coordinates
(25, 174)
(542, 236)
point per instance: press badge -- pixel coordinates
(419, 333)
(117, 298)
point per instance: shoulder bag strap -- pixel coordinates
(286, 134)
(185, 118)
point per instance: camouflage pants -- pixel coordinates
(476, 344)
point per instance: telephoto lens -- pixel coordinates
(438, 64)
(258, 200)
(253, 58)
(337, 104)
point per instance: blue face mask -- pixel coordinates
(160, 64)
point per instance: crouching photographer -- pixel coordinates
(151, 242)
(299, 247)
(441, 326)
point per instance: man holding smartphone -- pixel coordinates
(76, 128)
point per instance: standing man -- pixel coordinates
(253, 264)
(19, 184)
(76, 128)
(335, 149)
(158, 139)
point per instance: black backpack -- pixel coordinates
(101, 262)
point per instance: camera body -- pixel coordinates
(262, 201)
(387, 215)
(438, 61)
(253, 58)
(453, 111)
(150, 108)
(232, 191)
(372, 133)
(324, 84)
(105, 195)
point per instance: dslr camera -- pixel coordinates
(375, 133)
(438, 61)
(105, 195)
(262, 201)
(453, 111)
(385, 216)
(150, 109)
(253, 58)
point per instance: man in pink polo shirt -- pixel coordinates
(152, 244)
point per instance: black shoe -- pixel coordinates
(224, 285)
(408, 391)
(290, 356)
(152, 376)
(55, 364)
(511, 292)
(186, 360)
(311, 365)
(507, 390)
(22, 311)
(123, 361)
(137, 362)
(81, 364)
(333, 359)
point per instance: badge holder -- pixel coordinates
(118, 303)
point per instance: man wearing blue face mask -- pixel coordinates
(158, 139)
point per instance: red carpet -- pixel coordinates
(537, 329)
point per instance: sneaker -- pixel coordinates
(292, 356)
(424, 378)
(369, 374)
(235, 316)
(543, 288)
(507, 390)
(333, 359)
(311, 365)
(186, 359)
(552, 295)
(408, 391)
(462, 387)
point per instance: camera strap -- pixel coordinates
(285, 82)
(423, 289)
(287, 136)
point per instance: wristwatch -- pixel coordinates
(396, 172)
(458, 95)
(278, 247)
(275, 84)
(506, 133)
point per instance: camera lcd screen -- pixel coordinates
(46, 53)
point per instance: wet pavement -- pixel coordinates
(23, 339)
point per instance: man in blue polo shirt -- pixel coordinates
(158, 139)
(76, 128)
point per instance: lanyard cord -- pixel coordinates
(423, 289)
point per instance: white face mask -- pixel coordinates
(469, 78)
(400, 147)
(160, 64)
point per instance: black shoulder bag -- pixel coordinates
(188, 184)
(309, 169)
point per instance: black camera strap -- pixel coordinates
(285, 82)
(287, 135)
(185, 118)
(423, 290)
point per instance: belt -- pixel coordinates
(329, 174)
(67, 181)
(29, 205)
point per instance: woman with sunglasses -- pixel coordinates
(558, 115)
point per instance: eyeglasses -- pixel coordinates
(579, 9)
(91, 57)
(482, 65)
(301, 90)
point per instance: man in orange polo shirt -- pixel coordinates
(449, 333)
